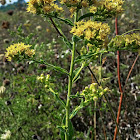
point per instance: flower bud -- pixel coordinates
(101, 93)
(95, 98)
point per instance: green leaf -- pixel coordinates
(57, 97)
(85, 15)
(74, 112)
(70, 130)
(62, 128)
(75, 38)
(67, 21)
(57, 68)
(68, 44)
(84, 57)
(76, 73)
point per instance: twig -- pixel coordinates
(130, 71)
(131, 31)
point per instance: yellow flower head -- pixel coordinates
(91, 30)
(19, 49)
(41, 77)
(127, 42)
(113, 5)
(43, 6)
(93, 9)
(93, 92)
(110, 6)
(74, 4)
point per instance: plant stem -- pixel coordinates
(103, 124)
(70, 87)
(95, 105)
(69, 91)
(62, 35)
(130, 31)
(119, 81)
(130, 71)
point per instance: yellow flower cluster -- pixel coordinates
(93, 92)
(42, 77)
(114, 6)
(129, 39)
(17, 49)
(74, 4)
(127, 42)
(43, 6)
(91, 30)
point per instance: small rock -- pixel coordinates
(38, 28)
(10, 12)
(6, 41)
(6, 82)
(5, 24)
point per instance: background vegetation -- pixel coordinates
(30, 112)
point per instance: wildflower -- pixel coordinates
(91, 30)
(43, 6)
(126, 42)
(93, 92)
(31, 8)
(93, 9)
(74, 4)
(19, 49)
(47, 77)
(107, 7)
(113, 5)
(41, 77)
(95, 98)
(7, 135)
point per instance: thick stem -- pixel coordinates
(69, 91)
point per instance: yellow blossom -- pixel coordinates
(43, 6)
(93, 9)
(91, 30)
(31, 8)
(129, 42)
(41, 77)
(114, 6)
(19, 49)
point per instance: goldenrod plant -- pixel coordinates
(88, 23)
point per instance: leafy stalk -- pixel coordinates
(70, 87)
